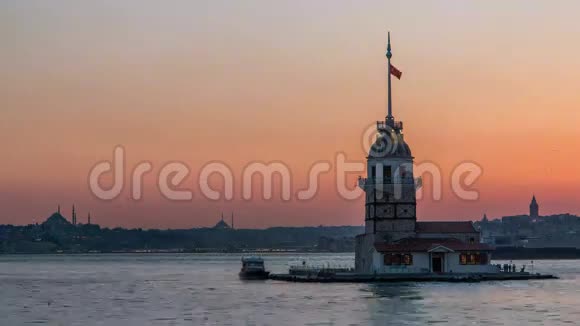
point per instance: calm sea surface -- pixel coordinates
(185, 289)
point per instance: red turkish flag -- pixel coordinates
(396, 72)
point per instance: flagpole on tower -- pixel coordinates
(389, 102)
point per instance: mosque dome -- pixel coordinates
(56, 220)
(222, 225)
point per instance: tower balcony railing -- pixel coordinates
(363, 182)
(385, 125)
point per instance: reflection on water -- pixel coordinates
(205, 290)
(402, 291)
(390, 302)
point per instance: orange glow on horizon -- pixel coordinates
(294, 82)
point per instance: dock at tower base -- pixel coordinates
(406, 277)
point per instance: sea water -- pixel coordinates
(204, 289)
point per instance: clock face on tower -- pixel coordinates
(405, 211)
(389, 211)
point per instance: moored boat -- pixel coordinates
(253, 269)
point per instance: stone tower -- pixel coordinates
(534, 208)
(390, 203)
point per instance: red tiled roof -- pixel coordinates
(445, 227)
(423, 245)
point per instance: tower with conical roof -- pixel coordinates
(534, 208)
(389, 186)
(393, 241)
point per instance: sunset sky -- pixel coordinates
(491, 82)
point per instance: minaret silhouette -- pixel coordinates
(232, 220)
(58, 210)
(89, 219)
(74, 215)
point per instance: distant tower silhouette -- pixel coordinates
(534, 208)
(58, 210)
(232, 220)
(89, 219)
(485, 220)
(74, 216)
